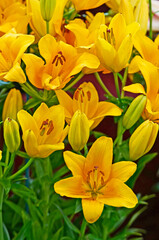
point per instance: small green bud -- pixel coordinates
(79, 131)
(11, 134)
(134, 111)
(47, 8)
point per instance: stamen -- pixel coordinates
(51, 127)
(89, 95)
(59, 58)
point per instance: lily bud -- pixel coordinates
(134, 111)
(142, 139)
(79, 131)
(47, 8)
(11, 134)
(12, 105)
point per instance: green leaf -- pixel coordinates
(32, 102)
(67, 220)
(57, 175)
(24, 231)
(140, 166)
(6, 184)
(6, 233)
(16, 208)
(22, 191)
(57, 235)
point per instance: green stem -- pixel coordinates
(7, 169)
(120, 131)
(7, 159)
(22, 154)
(1, 205)
(22, 169)
(74, 81)
(116, 84)
(124, 81)
(150, 19)
(47, 27)
(83, 229)
(102, 84)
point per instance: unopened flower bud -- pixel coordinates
(11, 134)
(142, 139)
(134, 111)
(47, 9)
(12, 105)
(79, 131)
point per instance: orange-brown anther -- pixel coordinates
(59, 58)
(46, 125)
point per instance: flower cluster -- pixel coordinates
(56, 59)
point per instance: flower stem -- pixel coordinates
(7, 169)
(1, 205)
(124, 81)
(74, 81)
(116, 84)
(150, 19)
(102, 84)
(47, 27)
(7, 159)
(22, 169)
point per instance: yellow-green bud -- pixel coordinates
(47, 8)
(134, 111)
(142, 139)
(12, 105)
(11, 134)
(79, 131)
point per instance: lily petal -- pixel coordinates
(92, 209)
(27, 121)
(71, 187)
(135, 88)
(118, 194)
(123, 170)
(100, 154)
(74, 162)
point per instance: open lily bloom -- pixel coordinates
(85, 36)
(13, 16)
(37, 22)
(87, 4)
(114, 47)
(12, 47)
(148, 49)
(97, 181)
(151, 75)
(43, 133)
(86, 100)
(132, 10)
(62, 63)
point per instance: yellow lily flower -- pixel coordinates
(83, 5)
(14, 16)
(114, 47)
(62, 63)
(85, 36)
(37, 22)
(12, 47)
(86, 100)
(43, 132)
(148, 49)
(150, 73)
(132, 10)
(97, 181)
